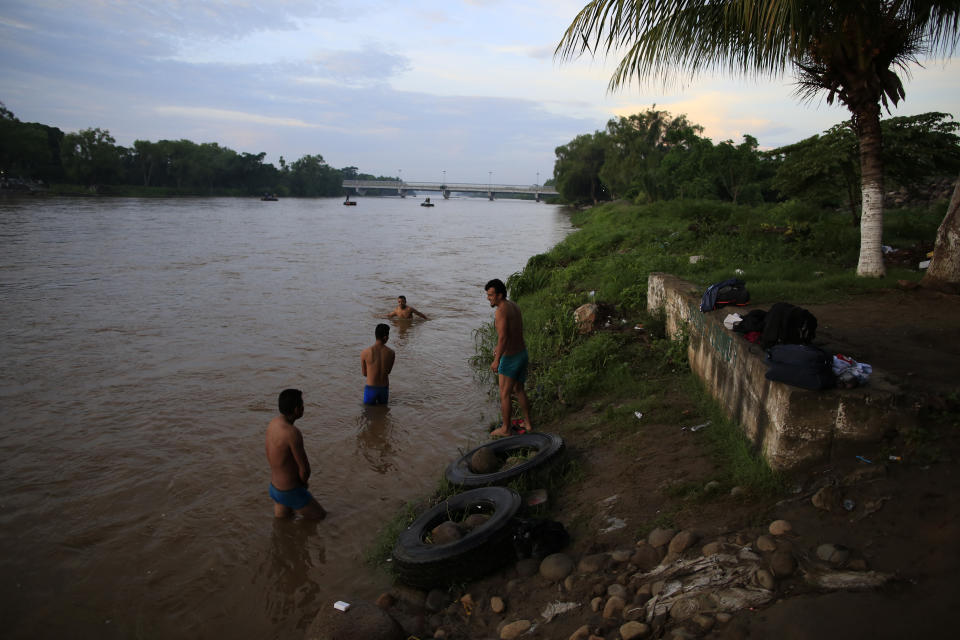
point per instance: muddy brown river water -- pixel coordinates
(144, 343)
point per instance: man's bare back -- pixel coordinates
(289, 465)
(376, 363)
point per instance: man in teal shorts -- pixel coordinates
(509, 357)
(289, 465)
(376, 363)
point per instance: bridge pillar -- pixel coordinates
(446, 194)
(538, 196)
(402, 192)
(490, 195)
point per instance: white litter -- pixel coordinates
(554, 609)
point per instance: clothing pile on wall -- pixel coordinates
(786, 333)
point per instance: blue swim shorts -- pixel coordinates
(296, 498)
(514, 366)
(375, 395)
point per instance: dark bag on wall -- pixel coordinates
(788, 324)
(732, 291)
(800, 365)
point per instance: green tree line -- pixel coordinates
(654, 156)
(91, 158)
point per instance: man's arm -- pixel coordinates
(418, 313)
(300, 456)
(363, 362)
(500, 322)
(391, 356)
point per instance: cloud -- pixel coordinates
(207, 113)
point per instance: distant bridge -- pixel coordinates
(402, 187)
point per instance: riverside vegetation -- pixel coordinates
(618, 396)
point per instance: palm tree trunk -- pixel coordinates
(944, 271)
(867, 120)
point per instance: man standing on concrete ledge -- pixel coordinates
(509, 357)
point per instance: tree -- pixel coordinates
(91, 156)
(944, 270)
(577, 169)
(848, 48)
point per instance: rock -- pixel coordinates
(570, 582)
(617, 589)
(723, 617)
(580, 634)
(737, 491)
(385, 601)
(440, 633)
(646, 557)
(780, 527)
(614, 607)
(741, 539)
(660, 537)
(556, 567)
(437, 600)
(514, 629)
(585, 316)
(446, 532)
(497, 605)
(833, 553)
(633, 630)
(766, 543)
(592, 563)
(827, 498)
(857, 564)
(681, 634)
(656, 588)
(595, 603)
(620, 555)
(711, 548)
(527, 567)
(704, 622)
(765, 579)
(484, 460)
(474, 520)
(413, 597)
(682, 541)
(711, 486)
(640, 599)
(362, 621)
(782, 564)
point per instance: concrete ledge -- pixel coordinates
(791, 427)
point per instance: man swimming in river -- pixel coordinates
(376, 362)
(403, 310)
(289, 465)
(509, 357)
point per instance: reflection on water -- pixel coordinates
(373, 438)
(144, 343)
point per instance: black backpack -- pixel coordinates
(800, 365)
(719, 294)
(751, 322)
(788, 324)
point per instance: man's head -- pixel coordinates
(402, 301)
(290, 403)
(382, 332)
(496, 291)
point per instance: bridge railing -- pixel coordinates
(449, 186)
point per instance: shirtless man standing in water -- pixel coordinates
(404, 311)
(376, 363)
(509, 357)
(289, 466)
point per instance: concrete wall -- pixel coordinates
(792, 427)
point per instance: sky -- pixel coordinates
(428, 90)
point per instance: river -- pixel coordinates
(144, 342)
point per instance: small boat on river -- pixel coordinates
(426, 203)
(269, 197)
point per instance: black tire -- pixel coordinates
(483, 549)
(547, 445)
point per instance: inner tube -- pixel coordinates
(547, 446)
(481, 550)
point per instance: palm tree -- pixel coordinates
(852, 49)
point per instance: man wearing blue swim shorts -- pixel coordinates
(289, 465)
(376, 363)
(509, 357)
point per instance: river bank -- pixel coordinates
(866, 552)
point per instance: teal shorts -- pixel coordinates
(514, 366)
(296, 498)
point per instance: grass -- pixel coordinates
(789, 251)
